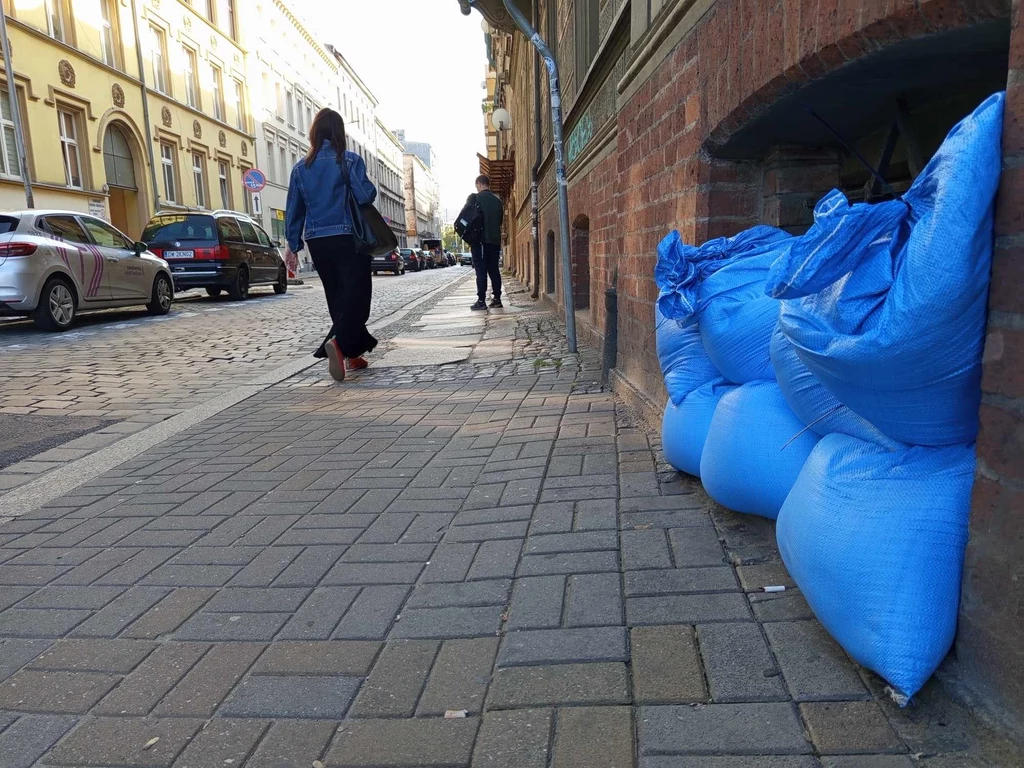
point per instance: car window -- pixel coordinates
(66, 228)
(248, 232)
(105, 235)
(264, 237)
(177, 228)
(8, 224)
(228, 229)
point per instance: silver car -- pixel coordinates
(55, 264)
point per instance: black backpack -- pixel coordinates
(470, 224)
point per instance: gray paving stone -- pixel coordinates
(48, 623)
(54, 692)
(559, 684)
(780, 606)
(133, 570)
(209, 681)
(696, 545)
(715, 729)
(140, 691)
(496, 560)
(443, 623)
(488, 532)
(583, 541)
(537, 603)
(395, 683)
(495, 515)
(85, 598)
(460, 677)
(450, 562)
(850, 727)
(419, 743)
(596, 515)
(427, 528)
(738, 664)
(96, 567)
(666, 666)
(560, 646)
(388, 553)
(686, 609)
(215, 627)
(680, 581)
(814, 666)
(265, 567)
(345, 574)
(372, 614)
(569, 563)
(345, 658)
(169, 614)
(192, 575)
(755, 577)
(594, 737)
(303, 696)
(122, 742)
(233, 599)
(292, 744)
(120, 656)
(645, 549)
(320, 614)
(869, 761)
(595, 600)
(29, 738)
(552, 518)
(468, 594)
(16, 653)
(514, 739)
(708, 761)
(388, 528)
(309, 568)
(222, 742)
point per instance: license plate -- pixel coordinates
(179, 254)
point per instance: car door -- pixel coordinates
(82, 258)
(126, 273)
(269, 256)
(257, 271)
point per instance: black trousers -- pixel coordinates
(349, 287)
(485, 262)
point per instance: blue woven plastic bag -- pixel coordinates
(812, 403)
(720, 286)
(684, 428)
(684, 361)
(886, 303)
(875, 540)
(755, 449)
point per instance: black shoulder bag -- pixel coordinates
(372, 234)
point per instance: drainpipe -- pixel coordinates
(562, 184)
(537, 149)
(145, 108)
(12, 95)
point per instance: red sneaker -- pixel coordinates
(357, 364)
(335, 360)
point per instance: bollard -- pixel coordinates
(611, 333)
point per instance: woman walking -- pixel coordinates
(316, 204)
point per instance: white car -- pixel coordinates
(55, 264)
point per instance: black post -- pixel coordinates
(611, 330)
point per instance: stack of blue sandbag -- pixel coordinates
(875, 354)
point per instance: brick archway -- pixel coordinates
(580, 246)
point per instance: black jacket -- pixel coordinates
(492, 212)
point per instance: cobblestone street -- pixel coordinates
(481, 562)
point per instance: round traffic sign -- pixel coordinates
(254, 180)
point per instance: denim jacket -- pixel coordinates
(316, 196)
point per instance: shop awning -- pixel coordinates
(502, 174)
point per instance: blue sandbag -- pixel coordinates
(812, 403)
(720, 286)
(875, 540)
(886, 303)
(684, 429)
(684, 361)
(755, 449)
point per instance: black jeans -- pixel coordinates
(485, 262)
(349, 287)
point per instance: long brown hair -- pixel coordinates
(328, 126)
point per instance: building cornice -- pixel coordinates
(343, 62)
(297, 23)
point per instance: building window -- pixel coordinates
(290, 100)
(309, 115)
(298, 101)
(218, 93)
(271, 171)
(199, 178)
(284, 163)
(158, 58)
(240, 121)
(204, 8)
(191, 78)
(246, 196)
(56, 20)
(226, 17)
(223, 171)
(9, 148)
(587, 30)
(68, 122)
(108, 32)
(170, 177)
(279, 98)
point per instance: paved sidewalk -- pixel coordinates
(479, 563)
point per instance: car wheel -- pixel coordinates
(56, 310)
(163, 295)
(239, 290)
(213, 293)
(281, 286)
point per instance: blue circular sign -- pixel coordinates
(254, 180)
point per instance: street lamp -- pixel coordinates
(502, 121)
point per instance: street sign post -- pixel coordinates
(254, 180)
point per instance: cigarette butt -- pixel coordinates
(775, 589)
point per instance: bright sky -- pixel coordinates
(425, 62)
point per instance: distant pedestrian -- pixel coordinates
(487, 253)
(316, 204)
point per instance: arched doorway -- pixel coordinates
(549, 264)
(121, 163)
(581, 262)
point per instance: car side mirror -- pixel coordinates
(277, 244)
(141, 248)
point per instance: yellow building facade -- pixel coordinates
(128, 107)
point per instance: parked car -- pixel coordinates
(389, 262)
(466, 259)
(435, 255)
(218, 251)
(449, 259)
(411, 259)
(55, 264)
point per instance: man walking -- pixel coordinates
(487, 252)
